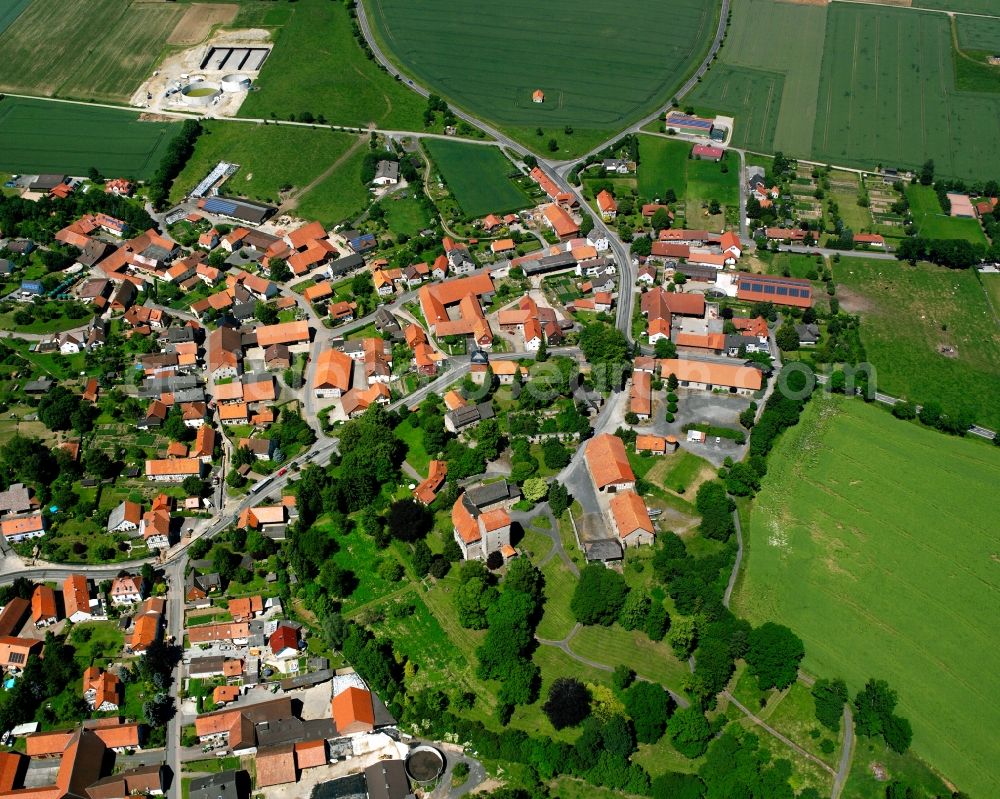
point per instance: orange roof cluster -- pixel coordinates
(283, 333)
(642, 394)
(545, 182)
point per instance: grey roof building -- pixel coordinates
(224, 785)
(387, 780)
(482, 497)
(467, 415)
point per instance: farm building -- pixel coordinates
(711, 376)
(770, 288)
(608, 464)
(705, 152)
(687, 123)
(538, 96)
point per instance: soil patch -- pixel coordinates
(852, 301)
(199, 19)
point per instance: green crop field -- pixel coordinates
(274, 156)
(11, 10)
(908, 315)
(477, 176)
(979, 33)
(887, 94)
(963, 6)
(41, 136)
(665, 164)
(771, 91)
(933, 223)
(597, 71)
(857, 85)
(92, 49)
(317, 66)
(874, 540)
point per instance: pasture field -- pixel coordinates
(933, 223)
(41, 136)
(887, 94)
(889, 530)
(771, 91)
(317, 66)
(665, 164)
(908, 314)
(992, 285)
(43, 54)
(477, 176)
(340, 195)
(271, 157)
(594, 74)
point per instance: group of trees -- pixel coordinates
(933, 415)
(952, 253)
(781, 411)
(505, 654)
(178, 152)
(602, 597)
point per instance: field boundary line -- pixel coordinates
(917, 8)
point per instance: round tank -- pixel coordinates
(424, 763)
(200, 93)
(235, 83)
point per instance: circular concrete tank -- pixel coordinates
(235, 83)
(200, 93)
(424, 763)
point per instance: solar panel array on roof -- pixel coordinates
(216, 205)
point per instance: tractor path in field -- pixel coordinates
(293, 199)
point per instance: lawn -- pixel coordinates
(662, 166)
(478, 177)
(61, 321)
(413, 437)
(340, 196)
(933, 223)
(907, 314)
(404, 214)
(271, 158)
(335, 79)
(770, 91)
(557, 618)
(38, 136)
(665, 164)
(615, 645)
(44, 51)
(601, 79)
(889, 530)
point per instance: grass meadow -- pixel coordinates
(274, 156)
(40, 136)
(933, 223)
(907, 314)
(665, 164)
(770, 90)
(317, 66)
(597, 72)
(91, 49)
(874, 540)
(477, 176)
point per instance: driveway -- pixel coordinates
(694, 407)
